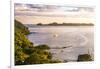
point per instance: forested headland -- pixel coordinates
(25, 51)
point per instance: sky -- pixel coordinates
(60, 13)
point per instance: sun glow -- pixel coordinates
(39, 13)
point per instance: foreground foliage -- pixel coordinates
(84, 57)
(26, 52)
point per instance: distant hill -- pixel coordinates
(63, 24)
(66, 24)
(70, 24)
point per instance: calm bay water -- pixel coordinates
(66, 42)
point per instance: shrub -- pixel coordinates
(84, 57)
(43, 47)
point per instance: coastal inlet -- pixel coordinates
(65, 42)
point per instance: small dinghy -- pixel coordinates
(55, 35)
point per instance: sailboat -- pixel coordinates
(55, 35)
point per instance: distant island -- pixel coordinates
(66, 24)
(61, 24)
